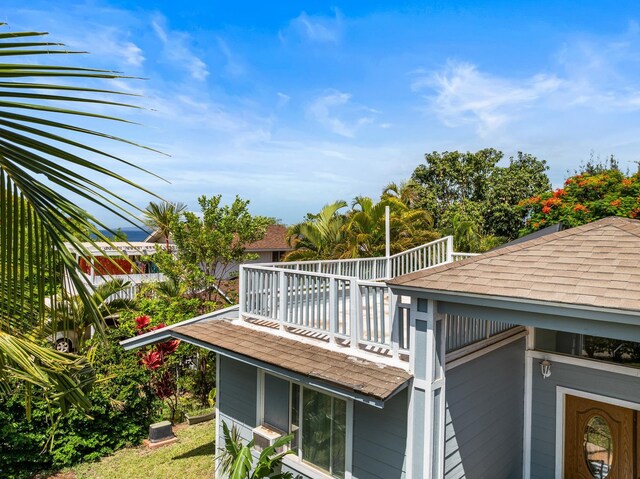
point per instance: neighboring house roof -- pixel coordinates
(594, 265)
(536, 234)
(274, 240)
(350, 373)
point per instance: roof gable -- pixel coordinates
(595, 265)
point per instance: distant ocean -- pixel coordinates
(133, 234)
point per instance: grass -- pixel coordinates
(191, 456)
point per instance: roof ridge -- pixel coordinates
(609, 220)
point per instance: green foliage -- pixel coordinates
(237, 461)
(161, 216)
(210, 244)
(122, 407)
(585, 197)
(468, 193)
(360, 232)
(44, 172)
(319, 236)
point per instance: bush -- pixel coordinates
(122, 408)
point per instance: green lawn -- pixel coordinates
(191, 456)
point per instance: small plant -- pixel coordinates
(236, 460)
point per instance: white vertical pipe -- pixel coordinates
(387, 246)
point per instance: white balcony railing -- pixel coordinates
(339, 300)
(375, 269)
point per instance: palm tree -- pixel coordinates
(161, 216)
(319, 236)
(405, 191)
(47, 167)
(365, 230)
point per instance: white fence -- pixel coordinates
(373, 269)
(343, 308)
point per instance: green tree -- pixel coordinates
(452, 184)
(160, 216)
(365, 229)
(319, 236)
(46, 167)
(585, 197)
(216, 240)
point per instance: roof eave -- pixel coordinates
(595, 313)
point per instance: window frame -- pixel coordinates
(296, 461)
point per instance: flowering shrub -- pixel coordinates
(585, 197)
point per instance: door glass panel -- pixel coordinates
(598, 447)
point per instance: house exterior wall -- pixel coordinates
(380, 439)
(485, 415)
(237, 397)
(379, 435)
(543, 406)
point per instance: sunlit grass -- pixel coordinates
(191, 456)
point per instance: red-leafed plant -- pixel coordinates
(163, 382)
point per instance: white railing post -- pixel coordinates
(394, 312)
(356, 312)
(449, 249)
(333, 310)
(242, 291)
(284, 297)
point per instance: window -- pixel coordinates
(593, 347)
(318, 422)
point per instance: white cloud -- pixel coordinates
(233, 66)
(463, 95)
(331, 109)
(318, 28)
(176, 48)
(283, 99)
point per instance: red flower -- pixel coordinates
(546, 210)
(152, 360)
(159, 326)
(615, 203)
(168, 347)
(142, 322)
(569, 181)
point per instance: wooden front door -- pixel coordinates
(599, 440)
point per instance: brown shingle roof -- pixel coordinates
(371, 379)
(597, 264)
(275, 239)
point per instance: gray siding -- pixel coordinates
(485, 416)
(543, 410)
(237, 400)
(380, 439)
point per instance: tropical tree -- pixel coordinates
(210, 244)
(161, 215)
(406, 191)
(450, 181)
(320, 236)
(47, 167)
(585, 197)
(365, 229)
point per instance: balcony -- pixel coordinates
(344, 303)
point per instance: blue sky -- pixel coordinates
(296, 104)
